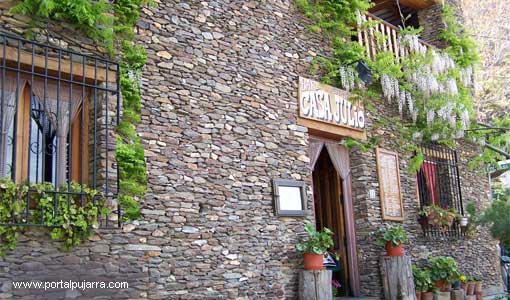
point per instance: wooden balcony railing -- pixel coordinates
(392, 42)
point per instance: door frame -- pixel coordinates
(317, 144)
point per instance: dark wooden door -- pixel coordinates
(329, 210)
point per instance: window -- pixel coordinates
(58, 113)
(43, 122)
(289, 197)
(439, 184)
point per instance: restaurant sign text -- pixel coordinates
(324, 103)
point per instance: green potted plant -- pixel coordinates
(443, 271)
(422, 282)
(315, 247)
(478, 285)
(392, 237)
(470, 289)
(438, 216)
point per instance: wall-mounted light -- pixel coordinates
(364, 72)
(289, 198)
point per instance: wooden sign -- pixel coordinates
(330, 106)
(389, 185)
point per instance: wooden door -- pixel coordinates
(329, 210)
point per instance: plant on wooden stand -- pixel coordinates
(392, 237)
(422, 282)
(443, 271)
(315, 247)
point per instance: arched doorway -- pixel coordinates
(333, 207)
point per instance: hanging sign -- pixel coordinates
(327, 104)
(389, 185)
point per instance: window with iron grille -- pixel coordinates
(58, 113)
(439, 184)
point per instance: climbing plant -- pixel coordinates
(432, 88)
(111, 25)
(70, 211)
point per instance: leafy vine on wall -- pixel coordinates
(71, 213)
(110, 24)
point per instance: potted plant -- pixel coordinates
(392, 237)
(443, 271)
(464, 285)
(464, 221)
(438, 216)
(478, 285)
(470, 286)
(422, 281)
(429, 294)
(315, 247)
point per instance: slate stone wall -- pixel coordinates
(218, 124)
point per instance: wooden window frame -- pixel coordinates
(22, 138)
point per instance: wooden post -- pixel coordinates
(458, 295)
(397, 278)
(315, 285)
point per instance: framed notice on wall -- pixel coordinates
(389, 185)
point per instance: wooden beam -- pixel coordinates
(381, 5)
(331, 131)
(420, 4)
(39, 61)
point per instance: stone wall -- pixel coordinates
(430, 19)
(218, 124)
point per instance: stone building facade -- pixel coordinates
(219, 123)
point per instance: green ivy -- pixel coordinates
(70, 212)
(110, 24)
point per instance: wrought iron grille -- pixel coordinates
(58, 114)
(439, 184)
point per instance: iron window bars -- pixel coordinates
(439, 184)
(58, 113)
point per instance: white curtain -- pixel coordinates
(315, 151)
(10, 86)
(340, 157)
(61, 114)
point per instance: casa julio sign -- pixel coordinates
(327, 104)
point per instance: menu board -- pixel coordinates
(389, 185)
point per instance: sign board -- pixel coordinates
(327, 104)
(502, 165)
(389, 185)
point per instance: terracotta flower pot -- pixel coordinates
(450, 218)
(431, 217)
(441, 285)
(465, 287)
(478, 287)
(427, 296)
(394, 251)
(418, 295)
(313, 261)
(470, 288)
